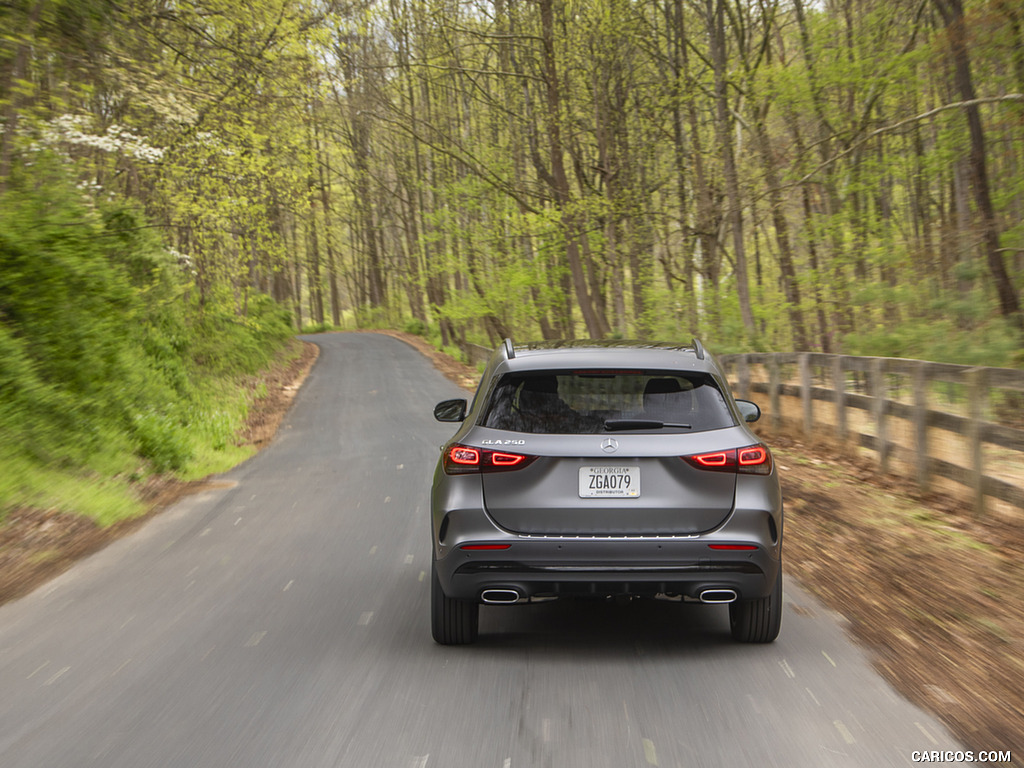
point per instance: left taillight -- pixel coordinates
(465, 459)
(752, 460)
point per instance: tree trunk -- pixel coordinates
(952, 12)
(560, 180)
(323, 167)
(790, 287)
(18, 71)
(716, 33)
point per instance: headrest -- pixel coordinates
(548, 384)
(662, 387)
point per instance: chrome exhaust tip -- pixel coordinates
(718, 596)
(499, 596)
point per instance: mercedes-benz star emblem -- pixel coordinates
(611, 445)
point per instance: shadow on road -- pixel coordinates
(604, 629)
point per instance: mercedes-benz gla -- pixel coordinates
(602, 470)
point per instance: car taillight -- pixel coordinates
(755, 456)
(752, 460)
(464, 459)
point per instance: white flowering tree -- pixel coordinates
(199, 110)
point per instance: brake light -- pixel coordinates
(464, 459)
(507, 460)
(752, 460)
(712, 460)
(606, 372)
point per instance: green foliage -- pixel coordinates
(455, 353)
(990, 343)
(415, 326)
(72, 312)
(373, 317)
(226, 343)
(34, 415)
(106, 372)
(214, 419)
(317, 327)
(161, 438)
(25, 482)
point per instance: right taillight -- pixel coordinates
(464, 459)
(752, 460)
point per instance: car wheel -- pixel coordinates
(759, 620)
(452, 622)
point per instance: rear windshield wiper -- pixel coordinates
(618, 425)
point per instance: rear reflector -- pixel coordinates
(476, 547)
(734, 547)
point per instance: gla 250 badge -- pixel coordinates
(503, 442)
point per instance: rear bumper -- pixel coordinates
(556, 567)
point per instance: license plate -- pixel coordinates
(609, 482)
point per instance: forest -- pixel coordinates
(185, 183)
(838, 176)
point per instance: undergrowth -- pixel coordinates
(113, 365)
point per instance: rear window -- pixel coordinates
(591, 402)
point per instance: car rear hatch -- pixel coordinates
(605, 485)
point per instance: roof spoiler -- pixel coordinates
(698, 348)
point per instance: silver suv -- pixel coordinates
(603, 469)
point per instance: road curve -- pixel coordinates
(280, 618)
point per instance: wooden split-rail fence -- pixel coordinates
(920, 419)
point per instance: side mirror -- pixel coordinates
(450, 410)
(748, 410)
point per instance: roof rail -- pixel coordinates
(510, 350)
(698, 348)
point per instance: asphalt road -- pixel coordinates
(281, 619)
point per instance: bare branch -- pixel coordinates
(908, 121)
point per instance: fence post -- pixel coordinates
(774, 387)
(743, 376)
(879, 410)
(921, 424)
(839, 388)
(475, 353)
(727, 367)
(805, 392)
(977, 402)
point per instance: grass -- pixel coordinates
(105, 492)
(211, 439)
(105, 501)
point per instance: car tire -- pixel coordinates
(758, 620)
(452, 622)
